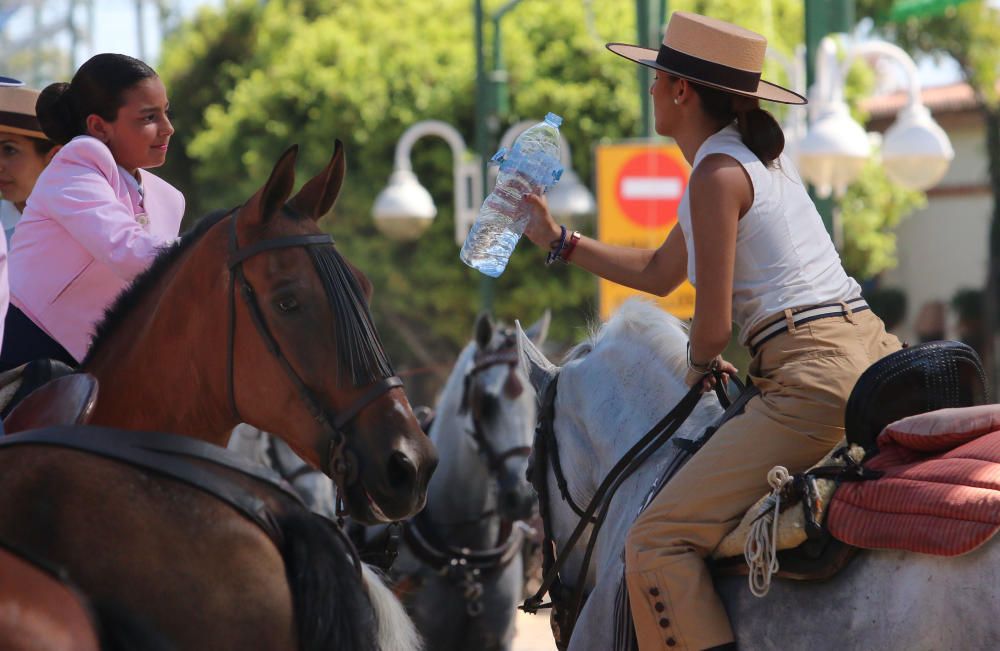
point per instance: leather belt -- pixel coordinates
(804, 315)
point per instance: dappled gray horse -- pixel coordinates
(611, 390)
(460, 567)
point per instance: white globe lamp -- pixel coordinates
(916, 152)
(404, 209)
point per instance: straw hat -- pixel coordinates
(17, 109)
(714, 53)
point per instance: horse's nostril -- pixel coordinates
(401, 471)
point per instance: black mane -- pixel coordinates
(129, 297)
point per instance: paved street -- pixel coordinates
(533, 633)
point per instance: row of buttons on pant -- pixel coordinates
(664, 622)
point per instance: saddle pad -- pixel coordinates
(792, 530)
(940, 492)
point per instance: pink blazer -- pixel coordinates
(85, 234)
(4, 283)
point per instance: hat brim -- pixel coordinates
(30, 133)
(765, 90)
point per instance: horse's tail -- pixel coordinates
(332, 607)
(121, 629)
(396, 631)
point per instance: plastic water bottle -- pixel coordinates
(531, 166)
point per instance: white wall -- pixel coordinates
(943, 248)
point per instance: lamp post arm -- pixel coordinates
(427, 128)
(827, 73)
(890, 51)
(468, 190)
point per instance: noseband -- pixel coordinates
(339, 462)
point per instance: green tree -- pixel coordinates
(250, 79)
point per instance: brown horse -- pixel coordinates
(41, 609)
(181, 353)
(295, 353)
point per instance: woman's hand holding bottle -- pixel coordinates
(541, 228)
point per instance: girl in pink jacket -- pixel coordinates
(96, 218)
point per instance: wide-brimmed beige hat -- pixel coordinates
(17, 109)
(714, 53)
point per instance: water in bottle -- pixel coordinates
(531, 166)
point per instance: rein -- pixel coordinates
(339, 462)
(596, 512)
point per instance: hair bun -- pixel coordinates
(57, 114)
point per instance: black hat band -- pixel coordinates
(19, 121)
(708, 71)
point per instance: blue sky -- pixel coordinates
(115, 31)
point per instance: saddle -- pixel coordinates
(918, 379)
(931, 376)
(66, 400)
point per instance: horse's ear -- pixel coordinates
(539, 331)
(275, 192)
(318, 195)
(483, 330)
(540, 370)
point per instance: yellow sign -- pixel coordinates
(639, 187)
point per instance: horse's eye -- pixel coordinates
(288, 304)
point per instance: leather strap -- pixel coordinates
(168, 455)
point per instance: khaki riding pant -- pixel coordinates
(805, 376)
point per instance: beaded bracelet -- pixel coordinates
(556, 247)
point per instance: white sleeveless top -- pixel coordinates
(784, 256)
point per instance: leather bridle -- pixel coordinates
(339, 462)
(505, 354)
(468, 568)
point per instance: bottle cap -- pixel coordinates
(553, 119)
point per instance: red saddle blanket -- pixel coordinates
(940, 493)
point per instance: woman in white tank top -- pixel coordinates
(753, 244)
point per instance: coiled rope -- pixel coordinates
(761, 547)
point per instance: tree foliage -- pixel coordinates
(870, 211)
(248, 80)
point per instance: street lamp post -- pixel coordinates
(824, 17)
(404, 209)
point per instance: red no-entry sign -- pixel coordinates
(639, 188)
(649, 188)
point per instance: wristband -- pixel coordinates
(556, 247)
(570, 246)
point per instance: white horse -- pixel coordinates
(483, 427)
(611, 390)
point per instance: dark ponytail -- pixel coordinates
(98, 87)
(760, 132)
